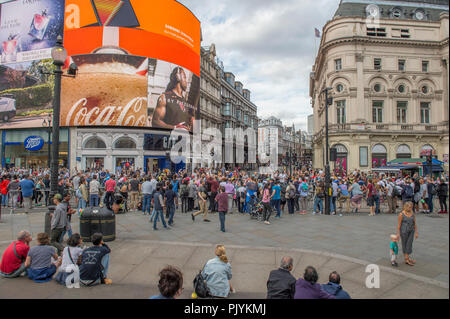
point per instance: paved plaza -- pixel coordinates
(346, 244)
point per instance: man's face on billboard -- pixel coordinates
(183, 81)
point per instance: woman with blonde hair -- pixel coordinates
(217, 273)
(407, 230)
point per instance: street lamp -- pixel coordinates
(47, 122)
(328, 101)
(59, 56)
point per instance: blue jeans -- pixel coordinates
(5, 200)
(171, 212)
(69, 234)
(332, 204)
(318, 202)
(147, 203)
(377, 204)
(159, 213)
(429, 201)
(222, 221)
(94, 200)
(276, 204)
(81, 203)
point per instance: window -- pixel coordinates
(377, 111)
(339, 88)
(238, 114)
(363, 156)
(245, 118)
(401, 112)
(340, 112)
(125, 143)
(401, 88)
(338, 64)
(95, 142)
(401, 65)
(400, 33)
(377, 64)
(377, 87)
(425, 112)
(227, 109)
(425, 66)
(376, 32)
(425, 89)
(396, 13)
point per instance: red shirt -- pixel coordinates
(214, 185)
(10, 262)
(3, 187)
(222, 202)
(110, 185)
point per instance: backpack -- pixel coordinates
(291, 192)
(397, 191)
(200, 287)
(433, 190)
(185, 191)
(408, 191)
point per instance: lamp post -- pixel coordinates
(48, 123)
(328, 101)
(59, 56)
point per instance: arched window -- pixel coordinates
(125, 143)
(403, 151)
(379, 155)
(95, 142)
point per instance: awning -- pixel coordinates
(393, 168)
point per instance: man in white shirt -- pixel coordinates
(94, 191)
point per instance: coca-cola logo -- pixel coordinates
(134, 113)
(33, 143)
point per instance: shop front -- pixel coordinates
(30, 148)
(157, 154)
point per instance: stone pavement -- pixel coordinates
(346, 244)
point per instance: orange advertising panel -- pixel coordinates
(160, 27)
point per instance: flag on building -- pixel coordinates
(317, 32)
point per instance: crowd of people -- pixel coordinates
(196, 192)
(202, 192)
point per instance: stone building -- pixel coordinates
(387, 65)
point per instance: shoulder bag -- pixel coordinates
(200, 287)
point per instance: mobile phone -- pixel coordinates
(115, 13)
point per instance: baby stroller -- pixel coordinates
(257, 209)
(122, 202)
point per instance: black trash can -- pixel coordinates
(97, 220)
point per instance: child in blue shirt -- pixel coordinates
(394, 250)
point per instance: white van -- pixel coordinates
(7, 107)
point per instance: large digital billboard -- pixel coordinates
(28, 29)
(139, 65)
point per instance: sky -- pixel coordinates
(269, 46)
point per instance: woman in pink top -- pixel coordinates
(266, 202)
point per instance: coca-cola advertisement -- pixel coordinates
(109, 90)
(28, 29)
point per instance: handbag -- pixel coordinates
(200, 286)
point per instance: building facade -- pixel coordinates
(388, 80)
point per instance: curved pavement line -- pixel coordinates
(426, 280)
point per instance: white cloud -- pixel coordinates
(269, 46)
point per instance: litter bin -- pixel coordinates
(97, 220)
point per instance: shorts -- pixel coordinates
(357, 199)
(370, 201)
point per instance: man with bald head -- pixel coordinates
(281, 284)
(13, 260)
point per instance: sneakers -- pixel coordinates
(266, 222)
(394, 264)
(206, 220)
(193, 217)
(108, 281)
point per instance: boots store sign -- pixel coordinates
(33, 143)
